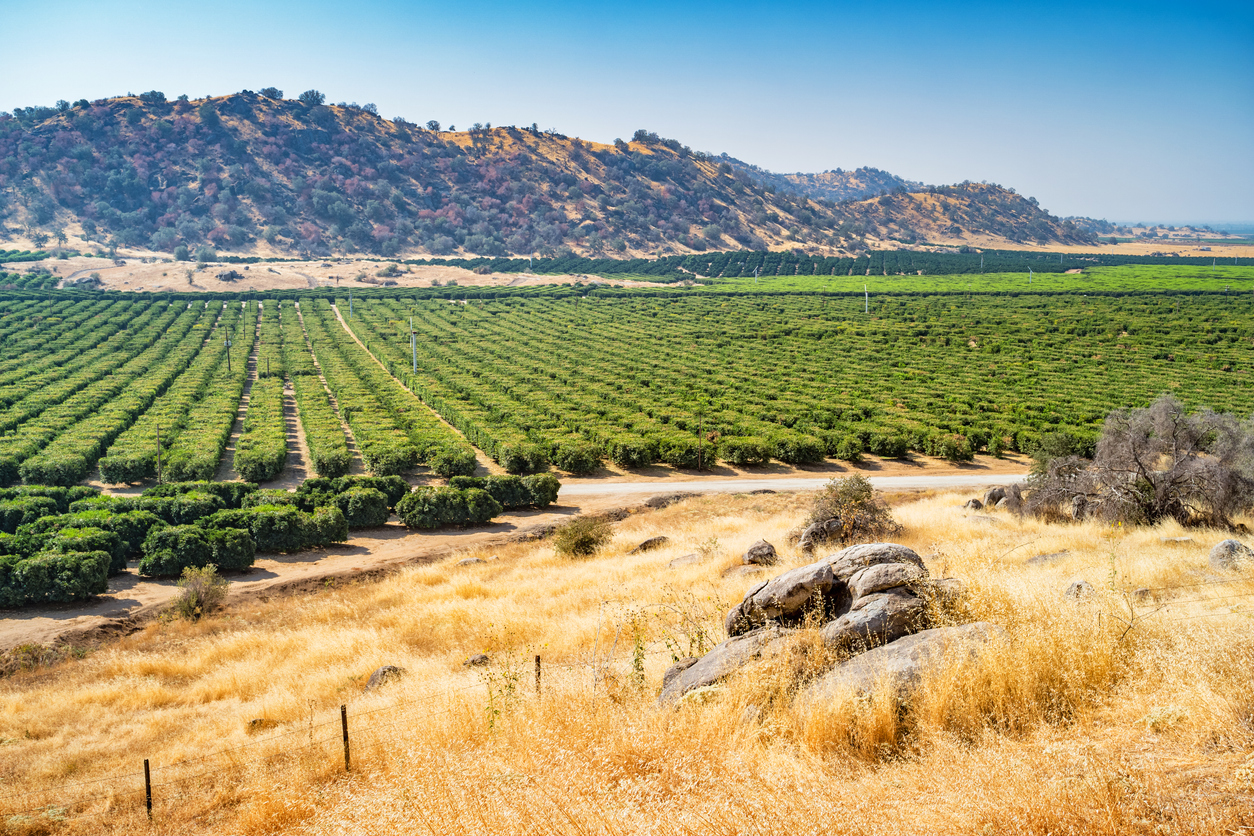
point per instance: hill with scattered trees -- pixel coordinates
(255, 172)
(837, 185)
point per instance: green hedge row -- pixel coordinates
(133, 455)
(270, 351)
(512, 492)
(324, 434)
(283, 528)
(51, 577)
(51, 413)
(427, 508)
(197, 449)
(261, 450)
(168, 551)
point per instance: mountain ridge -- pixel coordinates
(253, 172)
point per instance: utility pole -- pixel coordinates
(867, 300)
(413, 343)
(226, 341)
(158, 454)
(350, 303)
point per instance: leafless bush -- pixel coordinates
(851, 501)
(1154, 464)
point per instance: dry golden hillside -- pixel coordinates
(1109, 715)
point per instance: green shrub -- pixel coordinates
(889, 446)
(231, 493)
(18, 512)
(270, 496)
(327, 526)
(684, 452)
(543, 489)
(521, 458)
(203, 590)
(848, 448)
(363, 507)
(90, 540)
(168, 551)
(451, 460)
(632, 451)
(427, 508)
(744, 451)
(51, 468)
(796, 448)
(578, 457)
(582, 536)
(282, 528)
(51, 577)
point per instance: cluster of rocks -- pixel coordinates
(1231, 556)
(866, 596)
(1009, 498)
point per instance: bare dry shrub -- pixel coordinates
(1153, 464)
(863, 515)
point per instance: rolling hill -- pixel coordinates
(262, 174)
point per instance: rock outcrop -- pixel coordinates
(860, 597)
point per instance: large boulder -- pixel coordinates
(761, 553)
(901, 665)
(384, 675)
(974, 505)
(819, 533)
(884, 576)
(994, 495)
(876, 619)
(725, 659)
(785, 599)
(1230, 555)
(848, 561)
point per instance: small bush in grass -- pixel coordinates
(863, 516)
(203, 590)
(582, 536)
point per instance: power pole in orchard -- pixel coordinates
(866, 299)
(158, 454)
(413, 343)
(226, 341)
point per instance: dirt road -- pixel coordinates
(883, 483)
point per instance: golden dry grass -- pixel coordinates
(1097, 717)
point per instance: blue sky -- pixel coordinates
(1129, 111)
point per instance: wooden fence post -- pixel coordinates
(148, 788)
(537, 674)
(344, 725)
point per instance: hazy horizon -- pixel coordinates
(1113, 110)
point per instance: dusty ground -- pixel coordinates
(148, 273)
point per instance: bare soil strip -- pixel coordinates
(226, 467)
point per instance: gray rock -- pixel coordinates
(993, 496)
(650, 544)
(876, 619)
(686, 560)
(783, 599)
(727, 658)
(761, 492)
(470, 561)
(1002, 505)
(901, 665)
(1079, 507)
(973, 504)
(663, 500)
(384, 675)
(1177, 539)
(1045, 559)
(884, 576)
(819, 533)
(1079, 590)
(678, 668)
(476, 661)
(1229, 555)
(847, 561)
(761, 553)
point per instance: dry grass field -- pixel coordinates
(1108, 715)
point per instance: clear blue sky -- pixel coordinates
(1129, 111)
